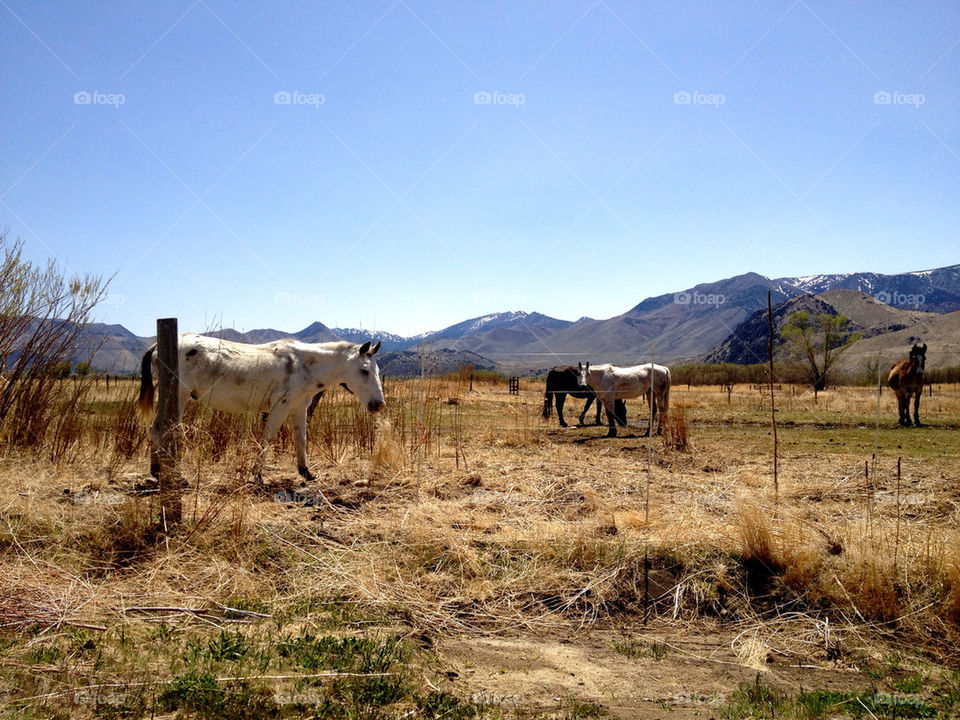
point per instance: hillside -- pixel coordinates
(888, 332)
(941, 333)
(747, 344)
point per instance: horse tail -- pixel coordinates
(145, 402)
(547, 405)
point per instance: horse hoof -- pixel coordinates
(306, 474)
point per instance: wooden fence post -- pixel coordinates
(166, 426)
(773, 407)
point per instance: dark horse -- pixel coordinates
(906, 379)
(563, 381)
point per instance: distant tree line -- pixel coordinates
(721, 374)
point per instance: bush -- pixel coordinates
(42, 316)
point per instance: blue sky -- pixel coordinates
(405, 165)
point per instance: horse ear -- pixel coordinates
(579, 365)
(924, 348)
(364, 348)
(373, 351)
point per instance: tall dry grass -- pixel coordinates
(460, 511)
(906, 581)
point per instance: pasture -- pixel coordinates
(458, 556)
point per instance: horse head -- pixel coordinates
(918, 356)
(363, 377)
(582, 374)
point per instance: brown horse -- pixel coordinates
(906, 379)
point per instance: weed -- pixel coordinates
(228, 646)
(755, 700)
(910, 684)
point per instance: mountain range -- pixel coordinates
(716, 321)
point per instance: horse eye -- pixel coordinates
(364, 371)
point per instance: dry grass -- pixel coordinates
(473, 515)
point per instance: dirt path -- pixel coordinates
(676, 675)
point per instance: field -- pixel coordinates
(458, 556)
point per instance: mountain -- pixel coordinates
(497, 336)
(682, 325)
(112, 348)
(687, 324)
(496, 321)
(930, 290)
(679, 326)
(389, 341)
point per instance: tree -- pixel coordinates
(82, 368)
(816, 342)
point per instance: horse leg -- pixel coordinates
(313, 404)
(300, 443)
(609, 404)
(270, 429)
(586, 406)
(903, 402)
(648, 396)
(559, 399)
(660, 411)
(612, 422)
(621, 407)
(916, 406)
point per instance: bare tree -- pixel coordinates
(42, 318)
(816, 342)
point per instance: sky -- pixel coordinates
(405, 165)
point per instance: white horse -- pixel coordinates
(278, 379)
(612, 383)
